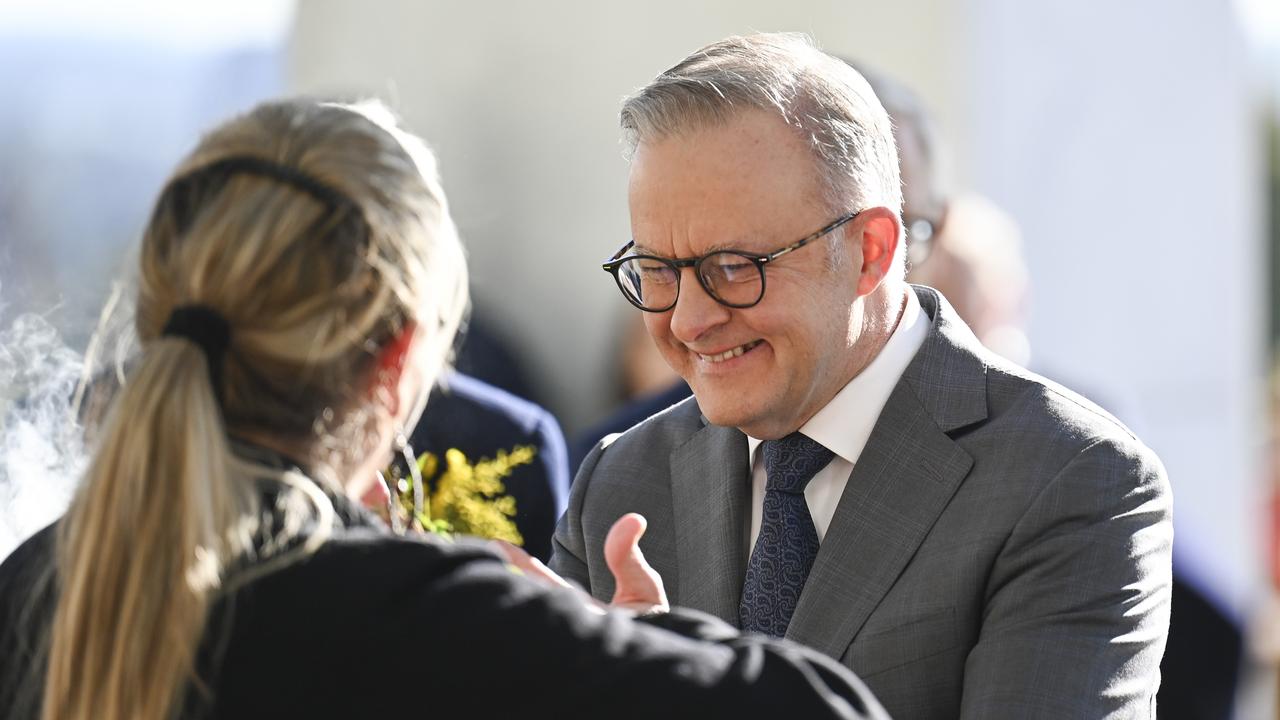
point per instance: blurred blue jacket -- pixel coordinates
(480, 419)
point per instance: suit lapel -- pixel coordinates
(906, 475)
(711, 495)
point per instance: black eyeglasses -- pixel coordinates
(732, 278)
(921, 236)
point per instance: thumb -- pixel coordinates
(637, 584)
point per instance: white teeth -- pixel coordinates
(732, 353)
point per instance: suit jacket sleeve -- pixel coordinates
(569, 545)
(1078, 600)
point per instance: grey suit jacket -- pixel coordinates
(1002, 548)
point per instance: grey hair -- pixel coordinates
(827, 102)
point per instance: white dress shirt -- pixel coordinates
(844, 424)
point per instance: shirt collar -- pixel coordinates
(844, 424)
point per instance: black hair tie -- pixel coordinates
(190, 192)
(209, 330)
(288, 175)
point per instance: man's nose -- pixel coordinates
(696, 312)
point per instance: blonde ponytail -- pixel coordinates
(143, 545)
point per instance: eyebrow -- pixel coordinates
(717, 247)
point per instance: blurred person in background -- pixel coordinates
(974, 260)
(856, 471)
(494, 358)
(960, 244)
(642, 370)
(300, 286)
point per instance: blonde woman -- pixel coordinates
(300, 285)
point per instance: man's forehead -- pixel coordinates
(743, 139)
(748, 164)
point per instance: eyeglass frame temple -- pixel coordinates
(612, 262)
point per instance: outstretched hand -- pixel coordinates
(638, 586)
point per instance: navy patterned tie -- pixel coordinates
(788, 542)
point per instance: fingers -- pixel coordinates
(534, 568)
(528, 564)
(638, 585)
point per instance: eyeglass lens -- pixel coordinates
(729, 277)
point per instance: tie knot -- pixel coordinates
(790, 463)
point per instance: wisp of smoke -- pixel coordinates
(42, 453)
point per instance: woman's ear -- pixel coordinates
(390, 365)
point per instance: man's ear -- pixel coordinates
(877, 232)
(389, 365)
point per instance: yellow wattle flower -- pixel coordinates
(471, 499)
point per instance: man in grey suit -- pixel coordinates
(856, 472)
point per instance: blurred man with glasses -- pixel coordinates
(856, 472)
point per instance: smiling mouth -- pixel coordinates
(730, 353)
